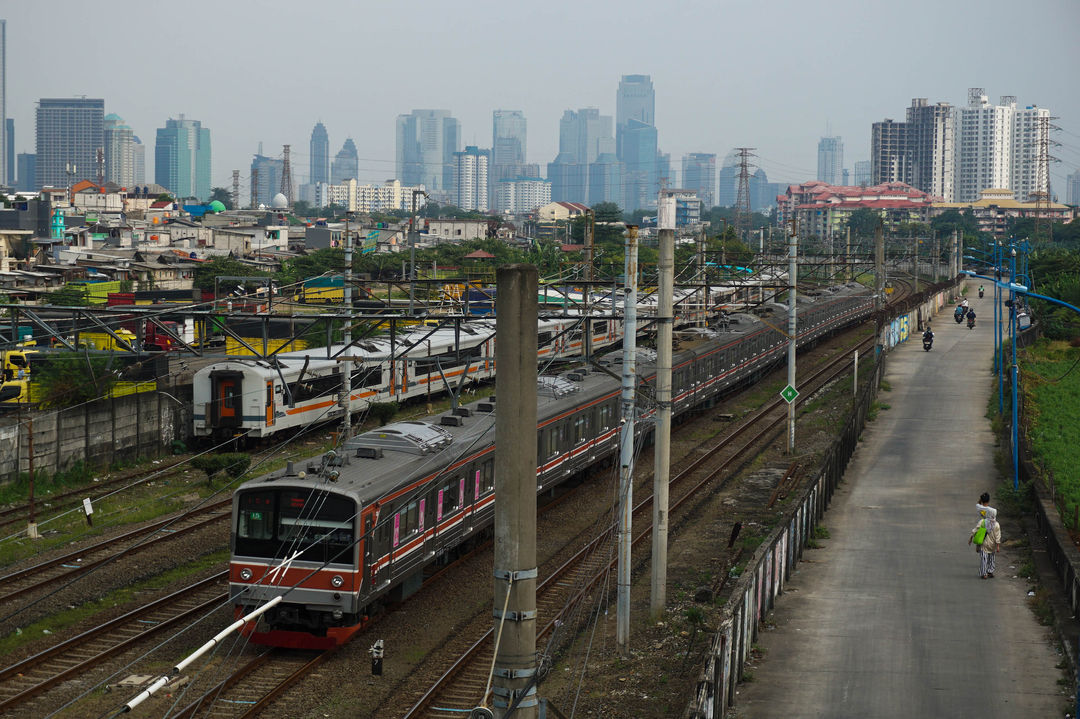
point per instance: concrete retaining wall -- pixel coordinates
(98, 433)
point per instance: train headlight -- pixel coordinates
(246, 574)
(337, 581)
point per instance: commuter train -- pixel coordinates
(257, 398)
(358, 526)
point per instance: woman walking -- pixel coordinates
(987, 537)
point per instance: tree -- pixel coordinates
(863, 222)
(228, 265)
(607, 212)
(328, 260)
(70, 378)
(223, 196)
(303, 208)
(963, 222)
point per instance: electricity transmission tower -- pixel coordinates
(742, 199)
(286, 176)
(1043, 219)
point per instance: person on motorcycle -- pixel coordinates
(928, 335)
(971, 318)
(980, 291)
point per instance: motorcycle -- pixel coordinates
(927, 342)
(971, 322)
(959, 315)
(980, 293)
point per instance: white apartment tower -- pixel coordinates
(119, 151)
(983, 146)
(471, 179)
(1031, 126)
(932, 136)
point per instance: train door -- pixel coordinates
(226, 395)
(270, 403)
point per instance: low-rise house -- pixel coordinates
(997, 208)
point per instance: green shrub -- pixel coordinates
(383, 412)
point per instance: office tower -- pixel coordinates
(727, 190)
(346, 164)
(584, 135)
(119, 151)
(640, 183)
(634, 100)
(606, 180)
(862, 172)
(830, 160)
(6, 143)
(320, 155)
(762, 192)
(665, 173)
(138, 161)
(426, 141)
(27, 167)
(508, 136)
(636, 140)
(890, 152)
(471, 179)
(265, 178)
(69, 134)
(1072, 189)
(182, 158)
(9, 144)
(699, 175)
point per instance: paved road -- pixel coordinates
(891, 618)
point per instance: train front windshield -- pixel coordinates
(276, 523)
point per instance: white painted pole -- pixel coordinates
(626, 443)
(793, 274)
(662, 443)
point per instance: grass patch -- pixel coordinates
(70, 617)
(821, 532)
(1041, 607)
(885, 386)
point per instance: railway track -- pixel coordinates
(72, 498)
(562, 595)
(26, 681)
(47, 575)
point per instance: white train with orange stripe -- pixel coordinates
(360, 526)
(259, 398)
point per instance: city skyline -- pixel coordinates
(709, 112)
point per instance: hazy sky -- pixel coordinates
(727, 73)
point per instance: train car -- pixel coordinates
(259, 398)
(358, 526)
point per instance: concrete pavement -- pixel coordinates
(891, 618)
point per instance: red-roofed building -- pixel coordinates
(560, 211)
(821, 209)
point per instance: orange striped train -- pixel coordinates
(359, 527)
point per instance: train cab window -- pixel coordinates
(256, 516)
(318, 525)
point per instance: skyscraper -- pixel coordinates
(320, 155)
(471, 179)
(182, 158)
(9, 145)
(890, 152)
(426, 141)
(862, 172)
(27, 168)
(508, 135)
(5, 143)
(636, 140)
(606, 179)
(69, 134)
(584, 135)
(932, 138)
(265, 178)
(1072, 189)
(699, 175)
(346, 165)
(727, 191)
(119, 151)
(830, 160)
(138, 161)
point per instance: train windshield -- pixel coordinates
(278, 523)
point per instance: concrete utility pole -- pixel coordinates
(590, 225)
(662, 444)
(514, 664)
(626, 441)
(848, 274)
(31, 526)
(346, 367)
(915, 264)
(703, 319)
(879, 267)
(793, 277)
(412, 254)
(937, 258)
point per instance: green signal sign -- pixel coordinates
(789, 394)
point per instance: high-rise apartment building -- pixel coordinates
(426, 141)
(119, 151)
(636, 140)
(471, 179)
(346, 164)
(1072, 189)
(830, 160)
(932, 142)
(699, 175)
(1031, 127)
(69, 134)
(508, 144)
(182, 158)
(569, 179)
(890, 152)
(6, 158)
(319, 155)
(522, 195)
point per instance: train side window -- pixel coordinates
(488, 475)
(599, 327)
(413, 518)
